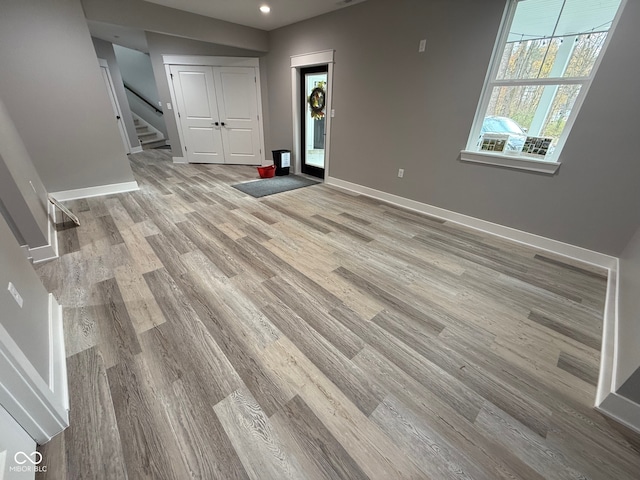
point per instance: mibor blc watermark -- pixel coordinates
(28, 462)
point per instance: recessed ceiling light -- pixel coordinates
(265, 9)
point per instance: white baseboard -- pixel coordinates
(179, 160)
(607, 401)
(137, 149)
(49, 251)
(26, 395)
(608, 352)
(96, 191)
(533, 240)
(622, 410)
(57, 356)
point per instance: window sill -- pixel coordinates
(510, 161)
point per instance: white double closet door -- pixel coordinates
(218, 113)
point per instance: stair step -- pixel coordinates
(146, 135)
(141, 128)
(153, 144)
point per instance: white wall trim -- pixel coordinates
(298, 62)
(537, 241)
(180, 160)
(622, 410)
(606, 375)
(57, 355)
(99, 190)
(137, 149)
(510, 161)
(211, 61)
(38, 409)
(49, 251)
(607, 401)
(314, 58)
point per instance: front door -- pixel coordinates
(313, 85)
(198, 113)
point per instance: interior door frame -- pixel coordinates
(298, 62)
(209, 61)
(312, 170)
(120, 121)
(41, 408)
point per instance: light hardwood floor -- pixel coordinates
(314, 334)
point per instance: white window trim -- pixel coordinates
(510, 161)
(551, 163)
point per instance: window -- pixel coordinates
(546, 55)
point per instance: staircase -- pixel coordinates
(149, 136)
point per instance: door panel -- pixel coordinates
(238, 107)
(313, 83)
(198, 102)
(205, 142)
(198, 110)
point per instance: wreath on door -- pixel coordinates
(317, 101)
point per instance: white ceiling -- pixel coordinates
(246, 12)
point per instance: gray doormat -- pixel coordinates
(269, 186)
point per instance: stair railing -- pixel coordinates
(143, 99)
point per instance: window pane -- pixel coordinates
(534, 19)
(516, 103)
(564, 97)
(556, 38)
(585, 53)
(529, 110)
(529, 59)
(586, 16)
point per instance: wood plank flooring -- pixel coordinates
(318, 335)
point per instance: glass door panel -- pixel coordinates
(314, 88)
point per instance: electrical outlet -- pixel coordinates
(400, 172)
(168, 106)
(14, 293)
(423, 46)
(333, 112)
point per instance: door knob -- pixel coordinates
(216, 124)
(223, 124)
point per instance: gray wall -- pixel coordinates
(137, 73)
(170, 45)
(22, 194)
(105, 50)
(56, 97)
(27, 326)
(396, 108)
(629, 321)
(631, 388)
(157, 18)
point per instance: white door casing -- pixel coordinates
(325, 57)
(106, 76)
(235, 90)
(198, 113)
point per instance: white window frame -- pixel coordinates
(551, 163)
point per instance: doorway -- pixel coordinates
(108, 82)
(313, 88)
